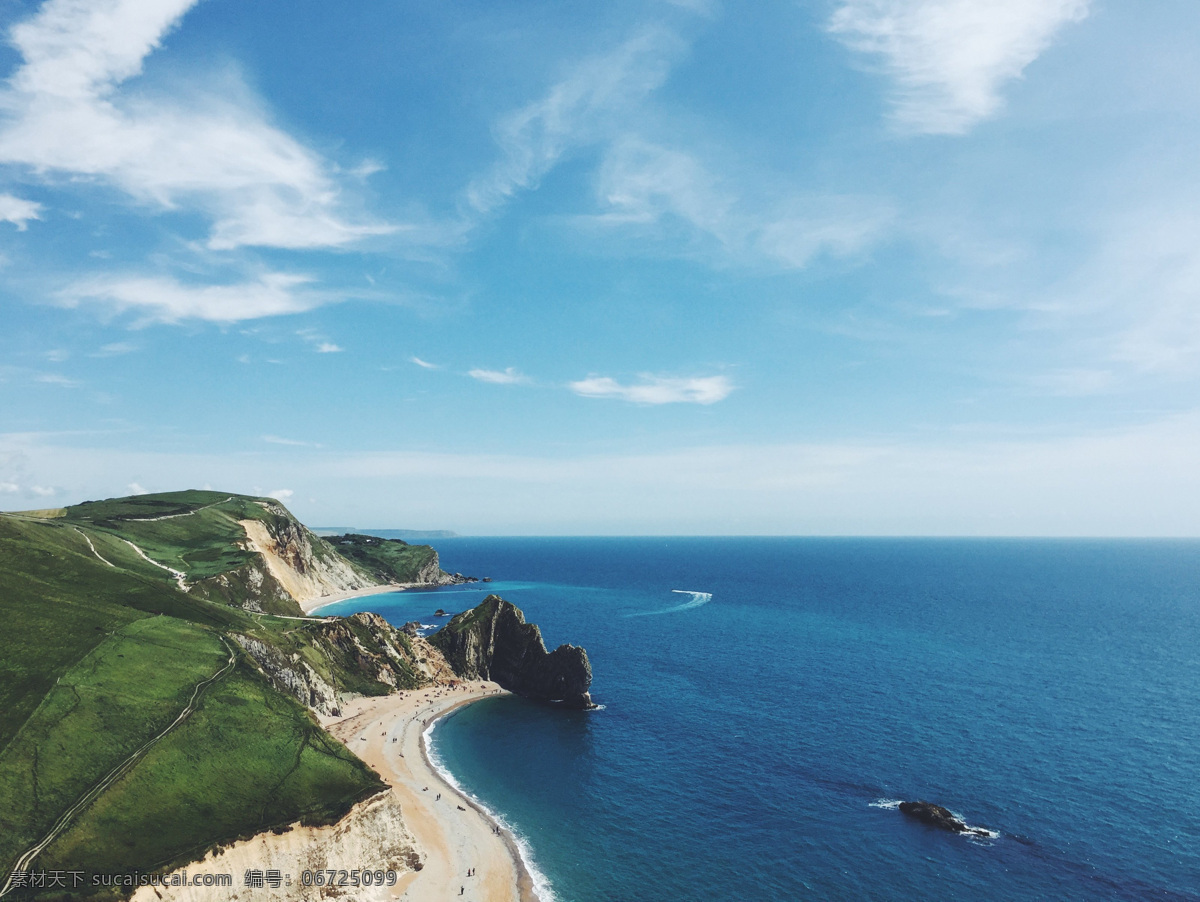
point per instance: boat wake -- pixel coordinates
(698, 599)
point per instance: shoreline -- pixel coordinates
(526, 884)
(315, 604)
(390, 734)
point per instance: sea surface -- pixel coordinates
(768, 701)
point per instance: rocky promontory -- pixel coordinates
(493, 642)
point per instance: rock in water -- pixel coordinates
(937, 816)
(493, 642)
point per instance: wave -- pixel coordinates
(698, 598)
(541, 883)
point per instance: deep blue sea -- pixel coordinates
(754, 736)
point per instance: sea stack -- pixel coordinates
(493, 642)
(937, 816)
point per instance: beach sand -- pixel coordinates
(310, 605)
(453, 834)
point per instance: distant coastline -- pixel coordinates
(403, 534)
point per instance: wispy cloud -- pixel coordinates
(164, 299)
(424, 364)
(115, 349)
(58, 379)
(328, 347)
(583, 108)
(18, 211)
(211, 150)
(950, 59)
(507, 376)
(277, 440)
(657, 389)
(136, 489)
(648, 190)
(281, 494)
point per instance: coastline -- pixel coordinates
(312, 605)
(421, 816)
(390, 734)
(526, 883)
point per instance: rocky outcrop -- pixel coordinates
(942, 818)
(493, 642)
(292, 675)
(348, 657)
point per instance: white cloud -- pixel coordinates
(581, 109)
(657, 389)
(328, 347)
(115, 349)
(58, 355)
(41, 491)
(163, 299)
(277, 440)
(67, 109)
(18, 211)
(281, 494)
(135, 489)
(58, 379)
(9, 487)
(508, 376)
(648, 190)
(424, 364)
(949, 59)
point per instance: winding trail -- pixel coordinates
(180, 576)
(93, 547)
(64, 820)
(173, 516)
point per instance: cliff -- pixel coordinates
(302, 563)
(328, 663)
(493, 642)
(393, 560)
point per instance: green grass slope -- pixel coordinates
(388, 560)
(102, 651)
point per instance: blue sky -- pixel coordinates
(691, 267)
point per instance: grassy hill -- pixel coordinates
(152, 674)
(388, 560)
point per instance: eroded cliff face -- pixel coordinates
(305, 566)
(493, 642)
(348, 657)
(372, 837)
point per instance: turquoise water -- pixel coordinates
(755, 732)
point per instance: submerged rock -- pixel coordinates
(493, 642)
(942, 818)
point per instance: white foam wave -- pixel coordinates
(698, 598)
(541, 883)
(891, 804)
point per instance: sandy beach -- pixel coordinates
(311, 605)
(420, 816)
(453, 834)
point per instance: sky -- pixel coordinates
(840, 267)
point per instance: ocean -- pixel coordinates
(768, 701)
